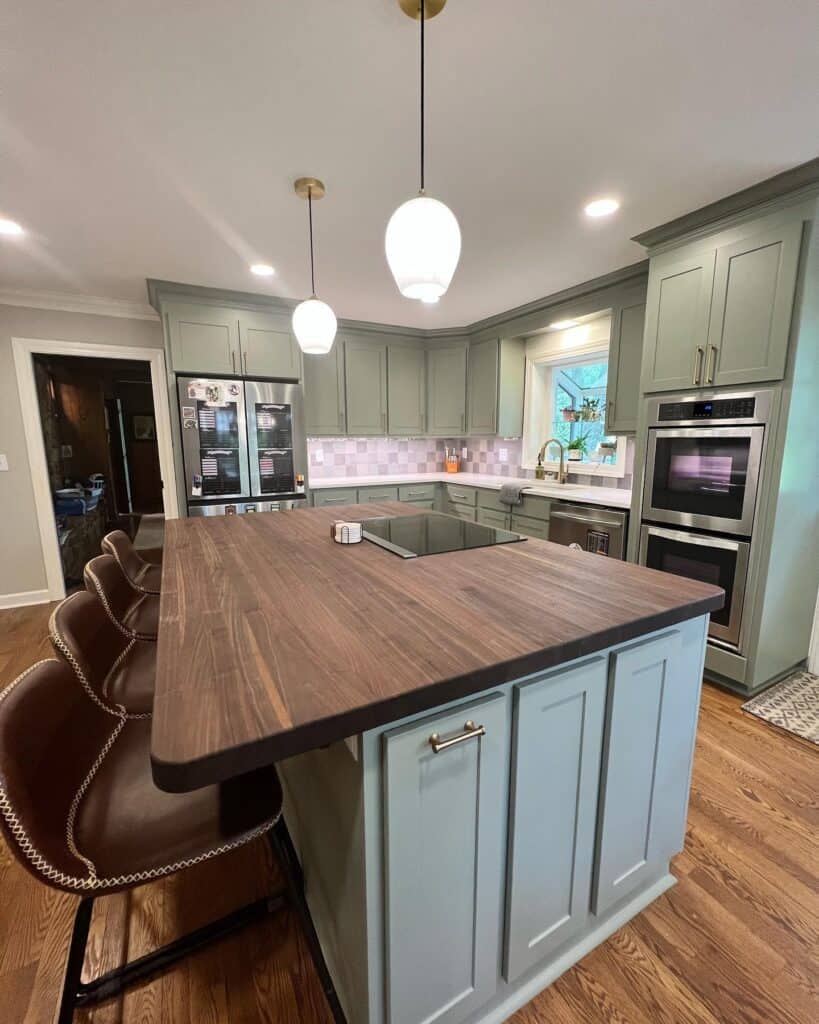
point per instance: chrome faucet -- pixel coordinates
(540, 471)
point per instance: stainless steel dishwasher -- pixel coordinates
(601, 530)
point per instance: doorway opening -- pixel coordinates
(102, 455)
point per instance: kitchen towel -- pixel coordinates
(511, 494)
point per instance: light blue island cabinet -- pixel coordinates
(458, 861)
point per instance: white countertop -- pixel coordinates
(615, 497)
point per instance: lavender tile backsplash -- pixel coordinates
(374, 456)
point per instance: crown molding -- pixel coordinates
(799, 181)
(67, 303)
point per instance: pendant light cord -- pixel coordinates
(310, 215)
(423, 11)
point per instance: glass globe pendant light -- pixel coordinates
(423, 240)
(314, 323)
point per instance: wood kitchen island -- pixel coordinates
(486, 753)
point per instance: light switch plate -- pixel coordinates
(4, 463)
(464, 453)
(318, 457)
(503, 454)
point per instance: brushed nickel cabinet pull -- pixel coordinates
(711, 364)
(698, 363)
(471, 731)
(233, 360)
(244, 357)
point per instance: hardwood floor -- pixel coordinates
(735, 942)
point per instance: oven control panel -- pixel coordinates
(713, 409)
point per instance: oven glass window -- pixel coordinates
(702, 562)
(700, 475)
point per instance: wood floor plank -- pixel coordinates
(735, 942)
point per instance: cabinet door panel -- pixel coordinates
(627, 841)
(677, 311)
(204, 339)
(625, 359)
(444, 833)
(489, 517)
(754, 284)
(530, 527)
(365, 373)
(324, 393)
(482, 388)
(446, 391)
(406, 390)
(268, 347)
(558, 726)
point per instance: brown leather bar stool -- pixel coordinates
(134, 613)
(113, 669)
(79, 810)
(143, 576)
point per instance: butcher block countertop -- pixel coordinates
(274, 640)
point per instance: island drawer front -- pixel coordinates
(444, 826)
(416, 492)
(423, 504)
(488, 517)
(635, 778)
(467, 512)
(532, 505)
(461, 495)
(336, 496)
(531, 527)
(377, 494)
(558, 730)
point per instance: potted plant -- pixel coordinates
(576, 449)
(569, 414)
(590, 410)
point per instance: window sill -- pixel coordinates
(581, 469)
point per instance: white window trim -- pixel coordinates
(532, 418)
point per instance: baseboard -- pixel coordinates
(25, 597)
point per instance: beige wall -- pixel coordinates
(21, 557)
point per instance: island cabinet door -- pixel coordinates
(444, 820)
(645, 723)
(558, 735)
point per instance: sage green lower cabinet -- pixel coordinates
(446, 391)
(335, 496)
(530, 527)
(489, 517)
(366, 494)
(461, 495)
(268, 347)
(365, 374)
(324, 393)
(558, 728)
(443, 817)
(417, 492)
(468, 512)
(406, 390)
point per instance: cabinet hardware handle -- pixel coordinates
(233, 360)
(244, 357)
(698, 363)
(711, 364)
(470, 732)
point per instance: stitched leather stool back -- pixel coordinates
(104, 577)
(84, 635)
(118, 545)
(50, 736)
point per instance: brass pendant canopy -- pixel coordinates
(412, 8)
(309, 188)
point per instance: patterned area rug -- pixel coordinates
(792, 704)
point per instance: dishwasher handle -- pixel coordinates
(586, 520)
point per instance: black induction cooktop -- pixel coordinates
(432, 533)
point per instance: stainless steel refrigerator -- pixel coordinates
(243, 445)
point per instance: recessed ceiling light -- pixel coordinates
(9, 227)
(601, 207)
(262, 270)
(562, 325)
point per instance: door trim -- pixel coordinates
(23, 351)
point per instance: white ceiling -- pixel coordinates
(160, 139)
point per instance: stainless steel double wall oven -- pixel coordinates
(704, 460)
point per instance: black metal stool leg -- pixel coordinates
(285, 855)
(74, 962)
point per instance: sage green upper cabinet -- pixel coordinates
(365, 374)
(324, 403)
(482, 388)
(625, 359)
(754, 284)
(495, 374)
(555, 773)
(676, 331)
(446, 391)
(203, 339)
(444, 830)
(406, 389)
(268, 347)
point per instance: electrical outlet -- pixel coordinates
(66, 451)
(503, 454)
(318, 457)
(4, 464)
(464, 454)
